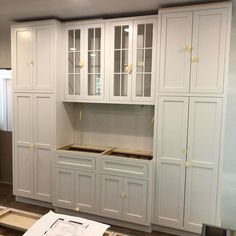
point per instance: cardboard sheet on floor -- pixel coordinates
(53, 224)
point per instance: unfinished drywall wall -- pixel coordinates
(229, 167)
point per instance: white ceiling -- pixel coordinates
(11, 10)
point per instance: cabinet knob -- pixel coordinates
(31, 146)
(187, 164)
(30, 62)
(188, 48)
(77, 209)
(81, 64)
(195, 59)
(184, 152)
(128, 68)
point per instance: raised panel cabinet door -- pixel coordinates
(175, 51)
(23, 145)
(203, 156)
(22, 50)
(111, 196)
(135, 200)
(43, 58)
(121, 60)
(64, 195)
(171, 151)
(94, 62)
(144, 55)
(43, 141)
(85, 191)
(208, 55)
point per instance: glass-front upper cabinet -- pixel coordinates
(121, 60)
(144, 57)
(85, 63)
(133, 54)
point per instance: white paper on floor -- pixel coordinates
(53, 224)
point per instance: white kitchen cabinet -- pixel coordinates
(111, 196)
(85, 62)
(132, 54)
(75, 180)
(203, 161)
(187, 179)
(33, 142)
(32, 54)
(64, 193)
(192, 50)
(135, 200)
(85, 196)
(124, 198)
(171, 147)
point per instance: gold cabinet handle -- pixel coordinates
(184, 152)
(195, 59)
(77, 209)
(81, 64)
(187, 164)
(128, 68)
(30, 62)
(188, 48)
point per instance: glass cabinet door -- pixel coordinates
(95, 57)
(144, 32)
(74, 60)
(121, 61)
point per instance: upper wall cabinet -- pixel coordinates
(132, 58)
(85, 62)
(32, 57)
(192, 50)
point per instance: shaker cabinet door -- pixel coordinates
(22, 49)
(209, 48)
(203, 156)
(171, 148)
(23, 139)
(175, 52)
(111, 196)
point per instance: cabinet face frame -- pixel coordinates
(112, 61)
(153, 58)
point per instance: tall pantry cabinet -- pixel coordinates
(193, 54)
(33, 64)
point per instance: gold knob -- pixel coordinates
(77, 209)
(129, 68)
(81, 64)
(195, 59)
(188, 48)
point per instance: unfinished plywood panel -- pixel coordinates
(16, 219)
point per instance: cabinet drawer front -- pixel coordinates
(130, 168)
(76, 161)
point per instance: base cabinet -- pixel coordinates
(64, 192)
(188, 158)
(124, 198)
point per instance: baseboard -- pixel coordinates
(34, 202)
(106, 220)
(167, 230)
(5, 182)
